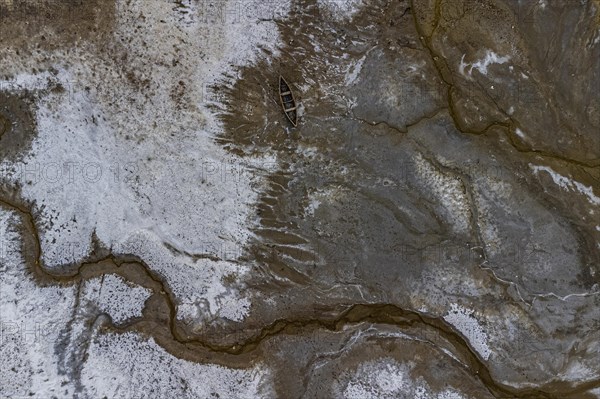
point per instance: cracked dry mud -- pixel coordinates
(430, 229)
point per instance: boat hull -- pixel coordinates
(288, 103)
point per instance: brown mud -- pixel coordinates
(283, 232)
(159, 317)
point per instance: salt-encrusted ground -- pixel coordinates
(32, 320)
(430, 229)
(125, 153)
(44, 330)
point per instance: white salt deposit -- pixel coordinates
(35, 320)
(567, 184)
(447, 190)
(354, 71)
(387, 378)
(127, 366)
(153, 170)
(464, 321)
(114, 296)
(490, 58)
(31, 319)
(340, 9)
(199, 284)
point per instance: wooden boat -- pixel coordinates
(287, 101)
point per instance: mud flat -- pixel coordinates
(428, 229)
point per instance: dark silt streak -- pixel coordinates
(17, 123)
